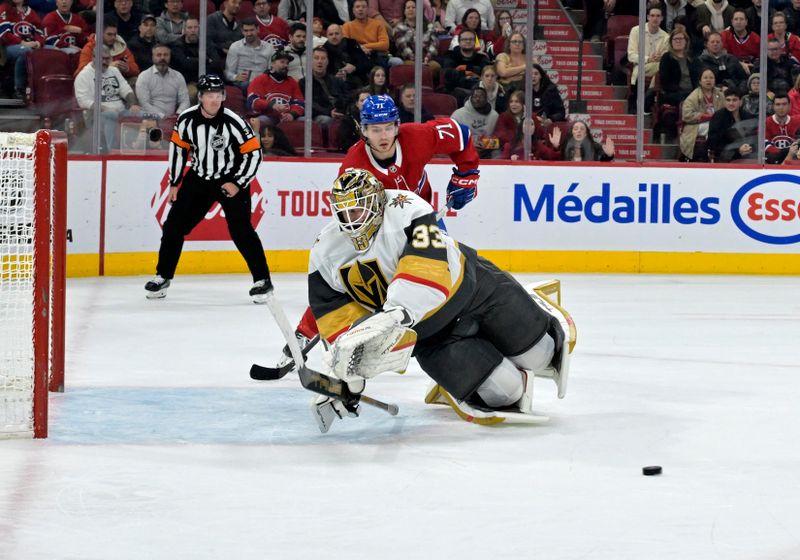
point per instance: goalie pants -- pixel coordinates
(500, 320)
(195, 198)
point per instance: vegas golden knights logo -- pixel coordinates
(365, 282)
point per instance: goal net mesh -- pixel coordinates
(16, 283)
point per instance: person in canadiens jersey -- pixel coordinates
(479, 332)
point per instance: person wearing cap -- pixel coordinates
(223, 154)
(169, 25)
(275, 95)
(142, 45)
(247, 57)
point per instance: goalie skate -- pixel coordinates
(484, 416)
(547, 295)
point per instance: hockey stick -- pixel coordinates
(264, 373)
(313, 380)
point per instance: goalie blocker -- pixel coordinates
(480, 333)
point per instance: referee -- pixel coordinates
(225, 155)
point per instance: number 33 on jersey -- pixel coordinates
(410, 263)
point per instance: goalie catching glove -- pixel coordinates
(462, 188)
(381, 342)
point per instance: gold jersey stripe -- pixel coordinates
(337, 321)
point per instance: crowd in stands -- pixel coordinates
(701, 67)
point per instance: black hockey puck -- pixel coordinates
(651, 470)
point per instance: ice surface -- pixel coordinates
(162, 447)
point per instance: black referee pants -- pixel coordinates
(195, 198)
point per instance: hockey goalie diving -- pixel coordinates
(386, 282)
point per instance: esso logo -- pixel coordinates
(213, 227)
(767, 209)
(546, 61)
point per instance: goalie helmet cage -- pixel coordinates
(33, 215)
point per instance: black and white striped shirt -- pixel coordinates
(224, 147)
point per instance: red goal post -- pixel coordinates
(33, 234)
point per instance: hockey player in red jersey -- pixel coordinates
(397, 155)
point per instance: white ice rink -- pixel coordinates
(163, 448)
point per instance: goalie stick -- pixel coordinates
(264, 373)
(315, 381)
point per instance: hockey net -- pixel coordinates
(32, 266)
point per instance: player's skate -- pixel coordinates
(562, 329)
(157, 287)
(519, 413)
(286, 354)
(260, 290)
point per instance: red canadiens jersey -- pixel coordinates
(16, 27)
(55, 36)
(274, 32)
(264, 93)
(746, 50)
(416, 145)
(780, 136)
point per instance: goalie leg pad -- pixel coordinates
(504, 387)
(479, 415)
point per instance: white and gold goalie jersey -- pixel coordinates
(410, 263)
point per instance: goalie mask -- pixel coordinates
(357, 201)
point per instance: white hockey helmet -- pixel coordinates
(357, 201)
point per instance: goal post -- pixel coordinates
(33, 191)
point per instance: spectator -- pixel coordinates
(223, 29)
(406, 98)
(656, 44)
(392, 12)
(750, 100)
(439, 13)
(456, 9)
(698, 109)
(273, 30)
(781, 129)
(404, 34)
(781, 69)
(346, 59)
(503, 29)
(248, 57)
(275, 95)
(727, 69)
(792, 12)
(64, 30)
(142, 45)
(169, 26)
(732, 131)
(162, 91)
(328, 92)
(494, 91)
(547, 103)
(121, 56)
(788, 42)
(471, 21)
(462, 66)
(754, 16)
(511, 128)
(331, 11)
(674, 9)
(580, 146)
(511, 63)
(19, 39)
(481, 119)
(292, 11)
(186, 57)
(297, 49)
(377, 81)
(713, 15)
(679, 73)
(370, 34)
(128, 19)
(738, 41)
(118, 97)
(350, 127)
(275, 143)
